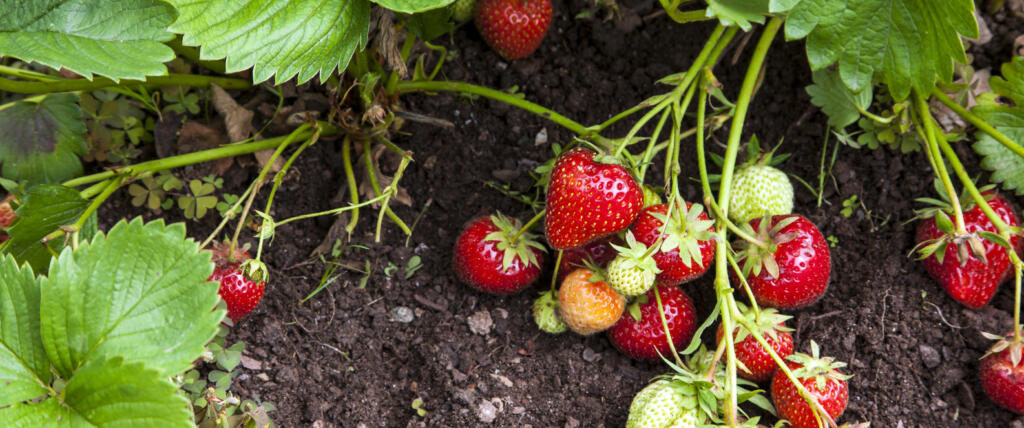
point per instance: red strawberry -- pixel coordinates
(1002, 374)
(587, 200)
(821, 379)
(513, 28)
(757, 364)
(789, 267)
(7, 216)
(687, 245)
(974, 281)
(599, 253)
(239, 291)
(488, 260)
(640, 334)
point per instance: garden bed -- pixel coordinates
(356, 357)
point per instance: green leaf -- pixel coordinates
(738, 12)
(44, 209)
(130, 293)
(108, 393)
(1007, 168)
(41, 139)
(431, 24)
(276, 38)
(412, 6)
(906, 44)
(24, 368)
(842, 105)
(120, 39)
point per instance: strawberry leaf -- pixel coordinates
(41, 139)
(906, 44)
(842, 105)
(139, 292)
(412, 6)
(279, 38)
(740, 13)
(1007, 168)
(43, 210)
(24, 368)
(120, 39)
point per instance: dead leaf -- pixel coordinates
(387, 42)
(251, 363)
(195, 136)
(237, 119)
(1018, 46)
(984, 34)
(263, 156)
(298, 118)
(366, 188)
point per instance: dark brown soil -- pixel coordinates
(345, 359)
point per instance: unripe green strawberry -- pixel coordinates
(758, 190)
(462, 10)
(633, 271)
(660, 405)
(545, 314)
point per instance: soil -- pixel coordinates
(358, 357)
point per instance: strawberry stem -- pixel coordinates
(353, 188)
(736, 230)
(1016, 302)
(529, 225)
(278, 178)
(72, 85)
(746, 287)
(977, 122)
(554, 275)
(384, 208)
(664, 325)
(938, 163)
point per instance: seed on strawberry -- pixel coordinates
(487, 259)
(755, 362)
(597, 253)
(513, 28)
(790, 264)
(239, 292)
(821, 378)
(587, 303)
(1002, 374)
(587, 199)
(758, 190)
(687, 244)
(662, 404)
(545, 314)
(632, 272)
(640, 333)
(969, 266)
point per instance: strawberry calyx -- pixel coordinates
(944, 204)
(597, 273)
(699, 382)
(224, 254)
(634, 307)
(510, 245)
(254, 270)
(1015, 345)
(637, 255)
(767, 322)
(816, 367)
(759, 255)
(685, 231)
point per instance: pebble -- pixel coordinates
(929, 356)
(401, 314)
(590, 356)
(486, 412)
(480, 322)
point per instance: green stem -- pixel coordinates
(723, 290)
(370, 172)
(353, 188)
(27, 74)
(978, 122)
(333, 210)
(410, 41)
(650, 151)
(436, 86)
(391, 190)
(202, 156)
(702, 164)
(228, 215)
(664, 325)
(71, 85)
(938, 163)
(111, 186)
(554, 275)
(682, 17)
(278, 178)
(527, 226)
(1016, 302)
(746, 288)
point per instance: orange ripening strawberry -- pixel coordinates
(588, 199)
(513, 28)
(587, 303)
(954, 260)
(599, 253)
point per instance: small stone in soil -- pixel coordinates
(401, 314)
(480, 322)
(590, 356)
(486, 412)
(929, 356)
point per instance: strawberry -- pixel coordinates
(513, 28)
(587, 199)
(545, 314)
(756, 364)
(237, 286)
(640, 333)
(488, 260)
(821, 379)
(968, 278)
(632, 272)
(7, 216)
(587, 304)
(598, 253)
(662, 404)
(789, 265)
(1002, 374)
(687, 246)
(758, 190)
(462, 10)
